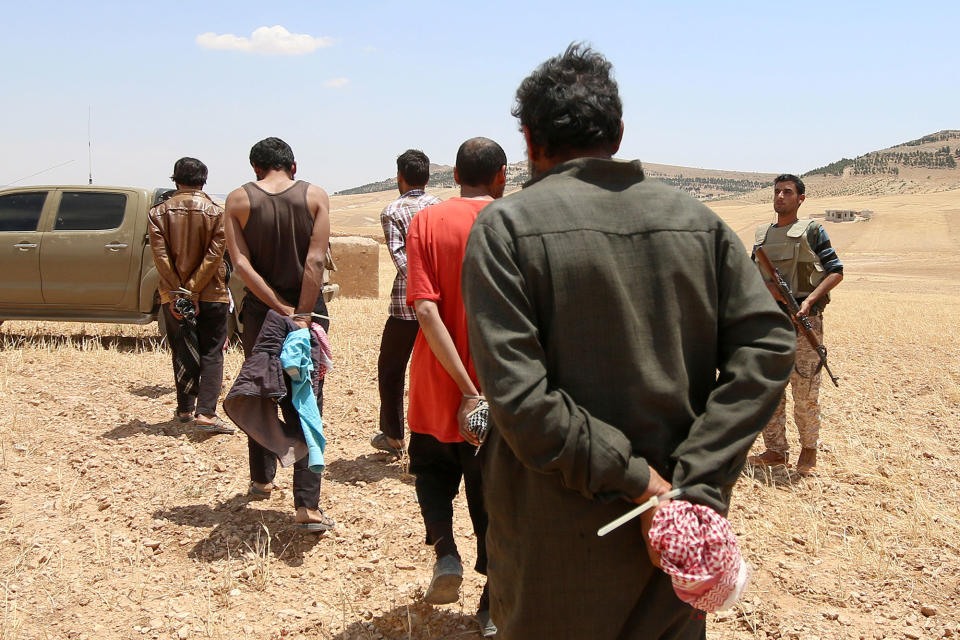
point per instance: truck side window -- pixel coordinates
(85, 211)
(21, 211)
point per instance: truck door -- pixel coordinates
(85, 258)
(20, 247)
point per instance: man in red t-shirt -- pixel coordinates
(443, 384)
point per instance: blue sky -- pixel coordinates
(740, 86)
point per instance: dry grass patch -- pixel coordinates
(116, 521)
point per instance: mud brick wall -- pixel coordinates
(358, 264)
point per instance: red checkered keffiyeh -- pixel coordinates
(325, 364)
(699, 551)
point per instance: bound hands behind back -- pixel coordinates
(467, 404)
(656, 487)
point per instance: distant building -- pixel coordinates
(844, 215)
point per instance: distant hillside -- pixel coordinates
(441, 177)
(390, 184)
(704, 184)
(928, 152)
(925, 165)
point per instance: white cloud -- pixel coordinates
(337, 83)
(274, 40)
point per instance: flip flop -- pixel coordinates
(217, 426)
(325, 524)
(257, 493)
(379, 441)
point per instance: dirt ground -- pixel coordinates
(116, 521)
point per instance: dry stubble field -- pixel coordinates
(118, 522)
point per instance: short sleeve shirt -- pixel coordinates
(436, 243)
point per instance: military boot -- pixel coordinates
(807, 461)
(768, 459)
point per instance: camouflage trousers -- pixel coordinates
(805, 386)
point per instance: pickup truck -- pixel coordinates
(81, 254)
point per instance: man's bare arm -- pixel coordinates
(312, 285)
(438, 337)
(237, 212)
(828, 283)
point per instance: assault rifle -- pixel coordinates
(802, 322)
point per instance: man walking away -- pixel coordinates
(801, 251)
(626, 345)
(187, 240)
(277, 232)
(443, 385)
(400, 331)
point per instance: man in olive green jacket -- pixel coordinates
(626, 345)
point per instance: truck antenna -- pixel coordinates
(56, 166)
(89, 149)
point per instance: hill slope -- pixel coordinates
(704, 184)
(925, 165)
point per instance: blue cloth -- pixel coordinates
(296, 362)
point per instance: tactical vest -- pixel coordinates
(791, 253)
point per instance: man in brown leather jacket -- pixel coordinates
(188, 244)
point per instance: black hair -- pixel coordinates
(571, 102)
(797, 182)
(478, 161)
(414, 166)
(272, 153)
(189, 172)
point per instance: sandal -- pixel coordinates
(183, 416)
(257, 493)
(217, 426)
(325, 524)
(380, 442)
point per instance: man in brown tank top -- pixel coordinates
(277, 233)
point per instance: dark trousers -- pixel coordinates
(396, 344)
(263, 462)
(211, 335)
(439, 466)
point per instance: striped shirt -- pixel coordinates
(395, 219)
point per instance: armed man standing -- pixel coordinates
(801, 251)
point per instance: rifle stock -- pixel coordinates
(802, 323)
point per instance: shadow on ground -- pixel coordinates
(239, 531)
(151, 390)
(372, 467)
(416, 621)
(779, 477)
(80, 342)
(172, 427)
